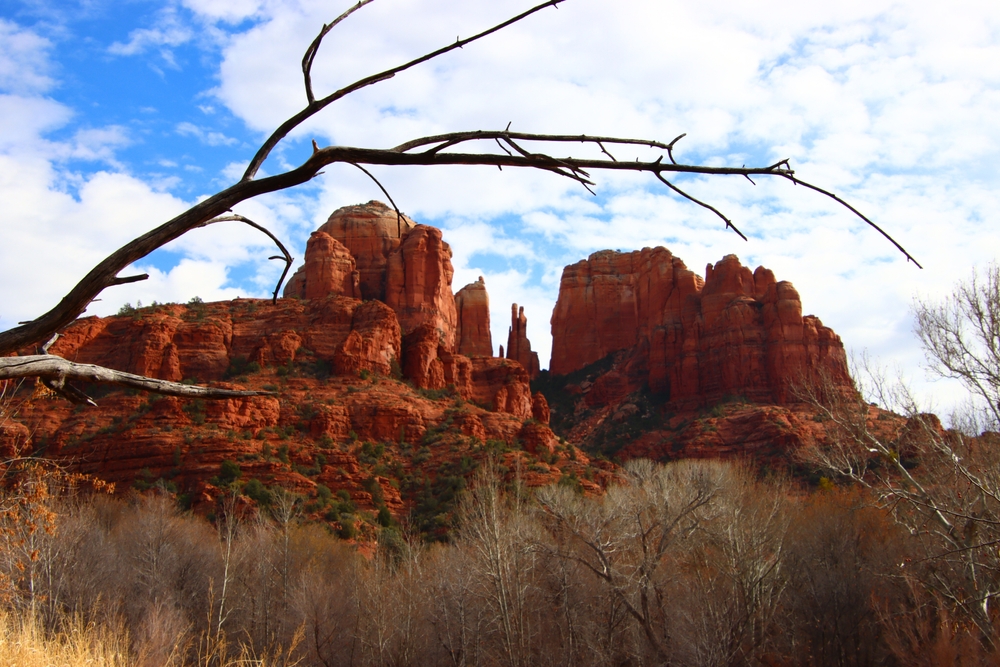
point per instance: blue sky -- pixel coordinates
(117, 115)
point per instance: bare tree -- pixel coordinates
(961, 338)
(516, 149)
(625, 539)
(942, 486)
(497, 530)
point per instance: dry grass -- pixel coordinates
(24, 643)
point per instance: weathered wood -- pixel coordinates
(56, 370)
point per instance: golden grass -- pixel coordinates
(24, 643)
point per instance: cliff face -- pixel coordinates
(418, 283)
(333, 365)
(367, 252)
(329, 268)
(370, 350)
(371, 233)
(693, 341)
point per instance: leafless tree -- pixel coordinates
(961, 338)
(942, 486)
(499, 534)
(456, 615)
(508, 149)
(626, 538)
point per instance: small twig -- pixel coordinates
(69, 392)
(788, 174)
(399, 216)
(670, 146)
(729, 223)
(128, 279)
(50, 343)
(605, 151)
(310, 54)
(286, 256)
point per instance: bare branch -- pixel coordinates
(670, 147)
(285, 255)
(729, 223)
(55, 370)
(310, 54)
(790, 176)
(455, 137)
(317, 106)
(399, 216)
(129, 279)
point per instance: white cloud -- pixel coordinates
(170, 31)
(207, 137)
(24, 64)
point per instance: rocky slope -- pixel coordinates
(371, 386)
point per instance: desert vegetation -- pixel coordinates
(688, 563)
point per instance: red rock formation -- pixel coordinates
(370, 232)
(418, 283)
(330, 363)
(329, 268)
(421, 363)
(538, 438)
(736, 333)
(202, 341)
(472, 304)
(540, 408)
(502, 386)
(518, 345)
(366, 252)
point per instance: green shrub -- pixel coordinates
(347, 530)
(371, 453)
(127, 310)
(229, 472)
(239, 366)
(196, 411)
(255, 490)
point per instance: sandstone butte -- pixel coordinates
(383, 377)
(379, 377)
(673, 343)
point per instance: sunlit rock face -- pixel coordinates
(472, 305)
(695, 341)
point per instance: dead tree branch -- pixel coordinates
(285, 255)
(56, 370)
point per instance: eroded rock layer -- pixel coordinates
(345, 382)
